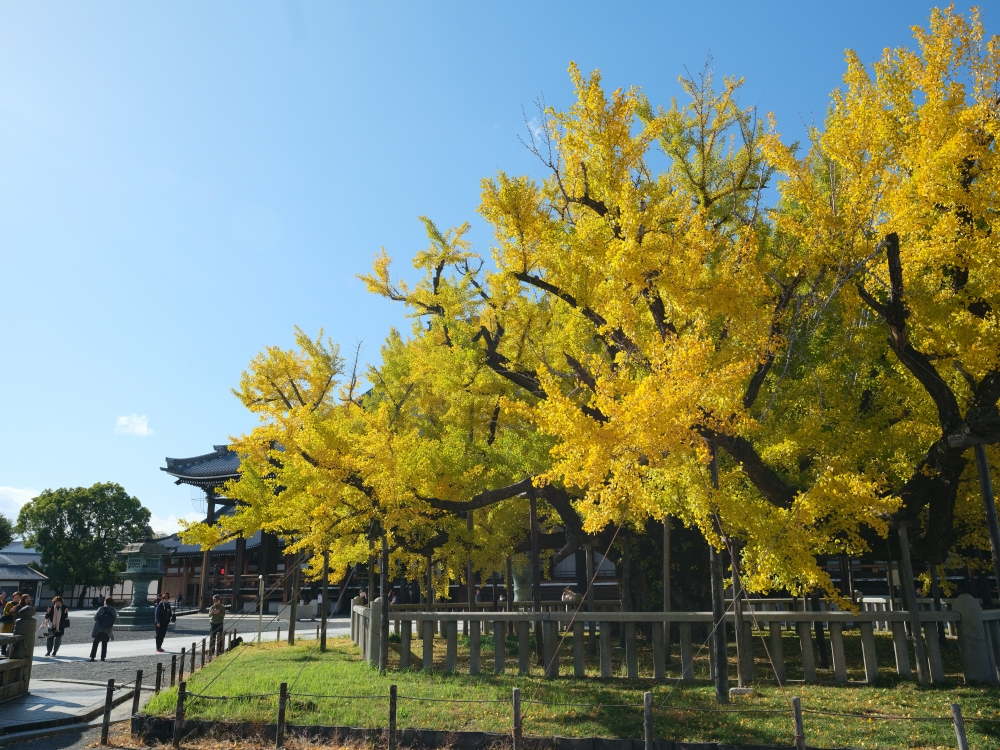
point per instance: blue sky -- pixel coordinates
(182, 183)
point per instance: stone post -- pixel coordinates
(976, 663)
(375, 632)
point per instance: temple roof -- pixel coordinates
(19, 573)
(177, 548)
(208, 470)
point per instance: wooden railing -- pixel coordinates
(978, 638)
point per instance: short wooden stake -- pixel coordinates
(179, 714)
(180, 674)
(109, 698)
(800, 732)
(194, 652)
(173, 669)
(317, 632)
(136, 694)
(279, 739)
(518, 735)
(204, 648)
(647, 719)
(392, 717)
(159, 676)
(956, 715)
(278, 636)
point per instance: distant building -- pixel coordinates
(16, 573)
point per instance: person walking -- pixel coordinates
(216, 615)
(104, 622)
(58, 620)
(7, 616)
(161, 620)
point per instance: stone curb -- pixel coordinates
(161, 729)
(30, 726)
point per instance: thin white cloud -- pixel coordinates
(171, 524)
(12, 498)
(133, 424)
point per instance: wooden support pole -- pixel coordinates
(179, 714)
(605, 649)
(136, 694)
(325, 607)
(910, 598)
(800, 732)
(579, 649)
(523, 648)
(647, 720)
(777, 651)
(204, 648)
(109, 699)
(405, 637)
(499, 636)
(194, 654)
(518, 734)
(956, 715)
(536, 576)
(183, 659)
(392, 717)
(279, 735)
(173, 669)
(159, 677)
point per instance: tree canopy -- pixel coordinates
(79, 530)
(6, 530)
(629, 324)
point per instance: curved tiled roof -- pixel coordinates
(215, 467)
(20, 573)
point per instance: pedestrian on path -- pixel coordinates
(57, 619)
(216, 614)
(104, 621)
(7, 616)
(27, 609)
(161, 619)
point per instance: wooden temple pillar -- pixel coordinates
(206, 557)
(238, 563)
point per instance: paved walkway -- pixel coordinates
(77, 652)
(60, 703)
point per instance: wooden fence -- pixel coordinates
(978, 634)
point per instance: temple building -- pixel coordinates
(232, 568)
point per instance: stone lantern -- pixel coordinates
(143, 565)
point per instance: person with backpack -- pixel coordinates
(161, 620)
(104, 622)
(216, 615)
(55, 622)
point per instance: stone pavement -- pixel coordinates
(70, 685)
(59, 703)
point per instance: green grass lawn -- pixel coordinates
(255, 670)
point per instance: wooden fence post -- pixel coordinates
(180, 665)
(800, 732)
(204, 648)
(179, 715)
(279, 737)
(956, 715)
(647, 719)
(194, 651)
(136, 694)
(109, 698)
(517, 719)
(159, 676)
(392, 717)
(173, 669)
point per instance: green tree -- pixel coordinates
(6, 530)
(78, 531)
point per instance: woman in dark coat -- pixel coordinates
(104, 622)
(58, 619)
